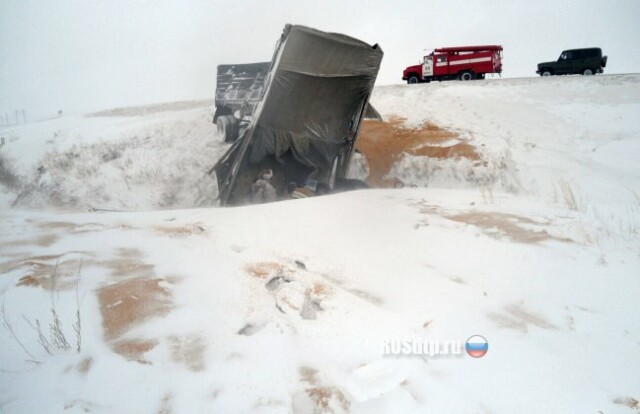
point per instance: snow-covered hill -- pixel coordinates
(533, 242)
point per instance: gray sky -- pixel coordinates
(81, 55)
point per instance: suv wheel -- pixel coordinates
(588, 71)
(546, 72)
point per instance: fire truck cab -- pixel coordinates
(463, 62)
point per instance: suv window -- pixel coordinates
(591, 53)
(566, 55)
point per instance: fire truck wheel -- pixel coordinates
(466, 76)
(413, 79)
(587, 71)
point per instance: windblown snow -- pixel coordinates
(124, 288)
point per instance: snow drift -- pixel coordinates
(287, 307)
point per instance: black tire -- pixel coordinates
(588, 72)
(466, 76)
(348, 184)
(413, 79)
(546, 72)
(228, 127)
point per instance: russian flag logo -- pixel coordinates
(476, 346)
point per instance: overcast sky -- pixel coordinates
(85, 55)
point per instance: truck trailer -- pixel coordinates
(304, 126)
(238, 91)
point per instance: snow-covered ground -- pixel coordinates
(288, 307)
(132, 159)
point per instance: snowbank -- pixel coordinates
(288, 307)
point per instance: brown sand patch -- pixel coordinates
(133, 301)
(44, 240)
(47, 272)
(326, 397)
(134, 349)
(309, 375)
(516, 317)
(263, 269)
(426, 208)
(74, 228)
(320, 289)
(57, 225)
(501, 225)
(129, 264)
(137, 296)
(286, 300)
(180, 230)
(188, 351)
(85, 365)
(384, 143)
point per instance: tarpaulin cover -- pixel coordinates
(310, 111)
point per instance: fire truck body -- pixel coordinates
(464, 63)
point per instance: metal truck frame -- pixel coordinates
(238, 91)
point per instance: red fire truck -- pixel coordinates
(463, 62)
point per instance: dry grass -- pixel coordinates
(165, 405)
(85, 365)
(629, 402)
(8, 176)
(568, 195)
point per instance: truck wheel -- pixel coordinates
(466, 76)
(587, 72)
(413, 79)
(228, 127)
(546, 72)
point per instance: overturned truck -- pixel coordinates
(305, 123)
